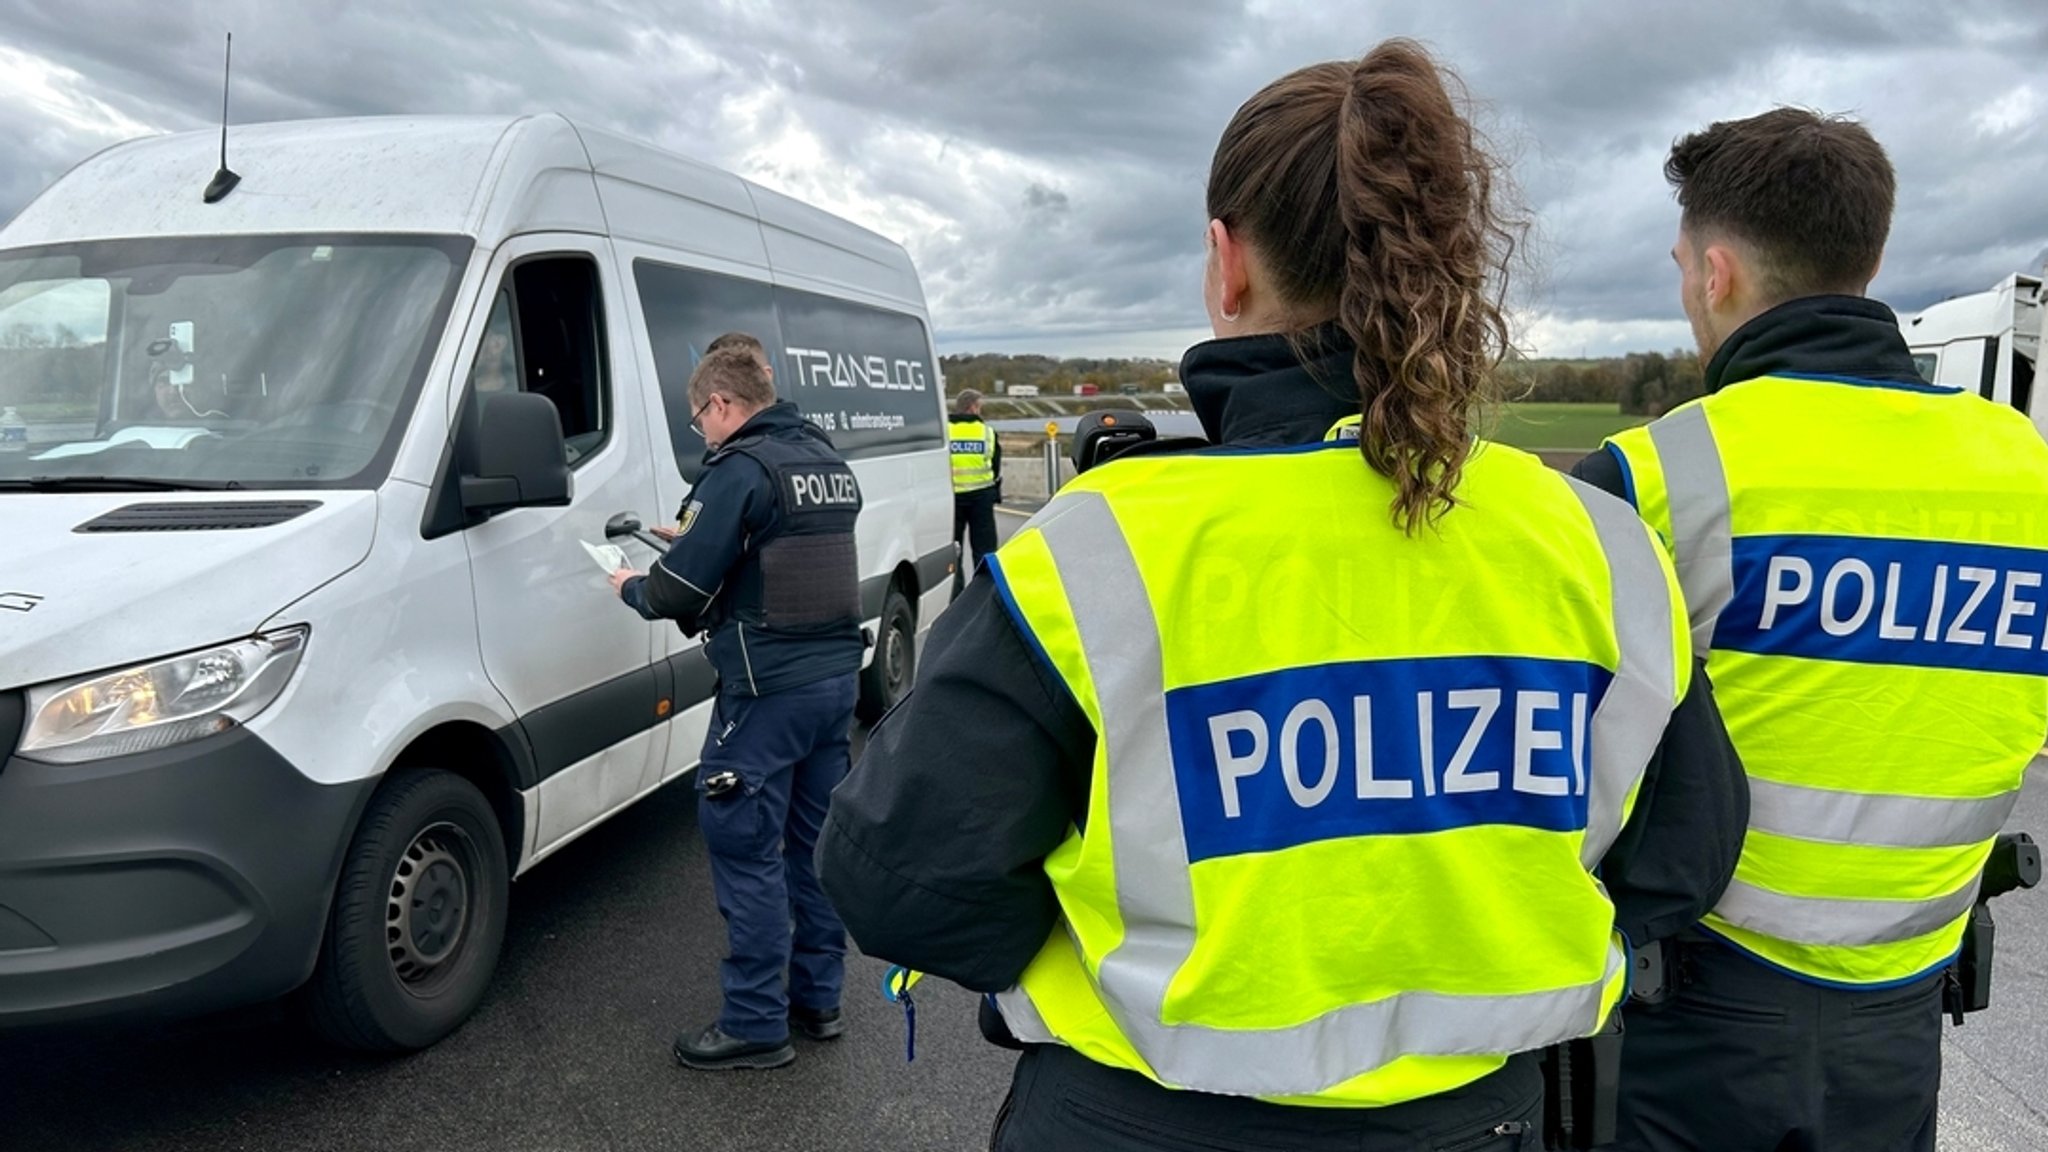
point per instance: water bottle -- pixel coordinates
(13, 430)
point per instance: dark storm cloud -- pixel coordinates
(1045, 162)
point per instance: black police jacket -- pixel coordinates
(765, 560)
(934, 848)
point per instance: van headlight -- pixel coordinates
(162, 703)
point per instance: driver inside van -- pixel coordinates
(495, 370)
(173, 401)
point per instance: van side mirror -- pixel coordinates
(512, 456)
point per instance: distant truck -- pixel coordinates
(1988, 342)
(1022, 391)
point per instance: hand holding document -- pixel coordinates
(609, 557)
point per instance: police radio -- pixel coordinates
(2015, 863)
(1098, 436)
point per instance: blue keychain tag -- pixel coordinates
(896, 985)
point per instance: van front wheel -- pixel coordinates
(418, 917)
(888, 676)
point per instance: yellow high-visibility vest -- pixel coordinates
(1863, 564)
(973, 445)
(1349, 784)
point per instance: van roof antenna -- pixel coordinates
(224, 181)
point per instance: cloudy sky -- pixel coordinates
(1044, 161)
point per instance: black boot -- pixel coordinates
(822, 1024)
(712, 1050)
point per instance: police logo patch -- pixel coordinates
(689, 519)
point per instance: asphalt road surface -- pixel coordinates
(613, 948)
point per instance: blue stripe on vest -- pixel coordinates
(1382, 747)
(1869, 600)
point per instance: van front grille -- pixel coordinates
(203, 517)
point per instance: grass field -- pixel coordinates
(1560, 426)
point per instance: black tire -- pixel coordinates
(888, 676)
(428, 847)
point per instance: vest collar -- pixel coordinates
(1259, 392)
(1851, 337)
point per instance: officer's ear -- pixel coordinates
(1727, 274)
(1231, 264)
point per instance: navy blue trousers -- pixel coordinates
(790, 749)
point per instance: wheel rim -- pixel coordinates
(426, 917)
(898, 656)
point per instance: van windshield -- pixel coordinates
(215, 361)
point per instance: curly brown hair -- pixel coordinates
(1370, 196)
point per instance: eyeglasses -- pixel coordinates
(698, 415)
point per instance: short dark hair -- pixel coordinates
(1811, 194)
(734, 371)
(739, 340)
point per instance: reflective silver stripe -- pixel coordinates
(1630, 722)
(1696, 488)
(1840, 923)
(1863, 818)
(1348, 1042)
(1022, 1017)
(1121, 643)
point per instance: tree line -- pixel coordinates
(981, 371)
(1640, 383)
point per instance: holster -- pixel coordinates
(1967, 986)
(2014, 862)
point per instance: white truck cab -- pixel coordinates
(302, 659)
(1987, 342)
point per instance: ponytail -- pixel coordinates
(1370, 195)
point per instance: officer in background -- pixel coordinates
(1862, 556)
(764, 561)
(977, 479)
(1265, 787)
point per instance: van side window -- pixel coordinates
(862, 373)
(685, 310)
(546, 336)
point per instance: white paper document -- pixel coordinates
(609, 557)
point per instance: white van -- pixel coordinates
(302, 658)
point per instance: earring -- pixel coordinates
(1231, 317)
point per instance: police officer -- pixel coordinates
(977, 477)
(1862, 556)
(1265, 788)
(763, 560)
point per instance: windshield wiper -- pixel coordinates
(114, 484)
